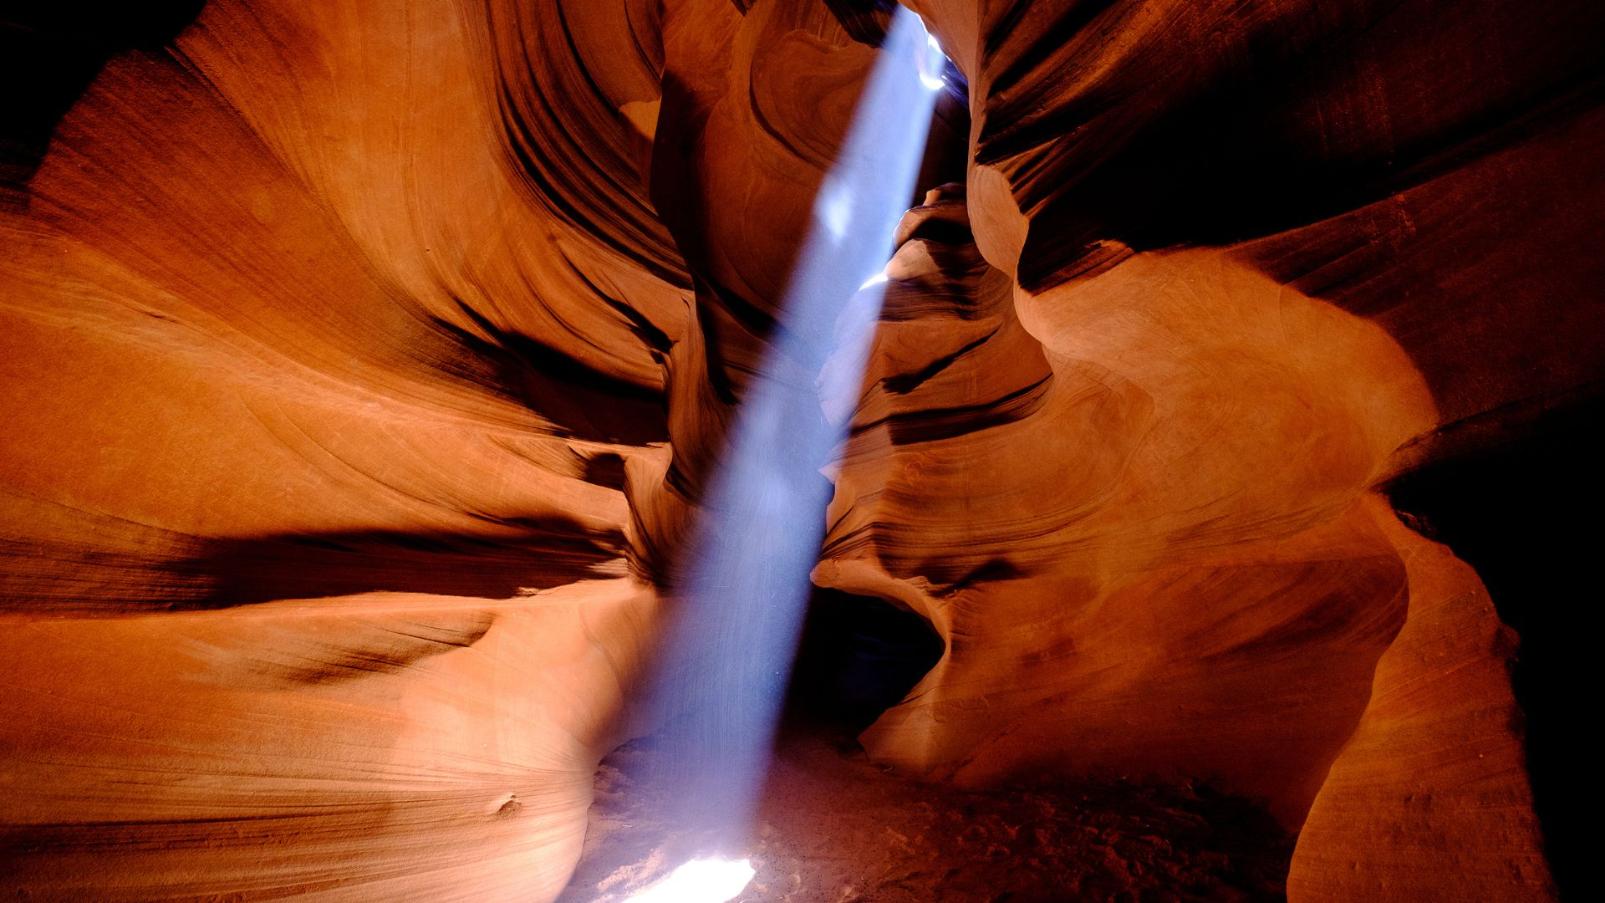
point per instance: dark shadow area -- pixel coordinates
(858, 656)
(229, 572)
(605, 469)
(50, 51)
(1251, 168)
(865, 20)
(579, 400)
(947, 150)
(1518, 508)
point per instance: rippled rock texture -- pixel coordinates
(363, 365)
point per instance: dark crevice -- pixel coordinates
(1250, 170)
(579, 400)
(944, 423)
(229, 572)
(866, 21)
(605, 469)
(858, 657)
(904, 383)
(1517, 509)
(50, 52)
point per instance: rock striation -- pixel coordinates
(363, 368)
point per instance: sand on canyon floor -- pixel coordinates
(835, 827)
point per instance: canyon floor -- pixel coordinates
(836, 827)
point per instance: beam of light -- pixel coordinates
(710, 880)
(744, 582)
(877, 279)
(835, 207)
(931, 63)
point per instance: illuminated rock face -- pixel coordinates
(291, 313)
(363, 369)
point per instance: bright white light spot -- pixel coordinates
(932, 62)
(836, 208)
(876, 279)
(701, 881)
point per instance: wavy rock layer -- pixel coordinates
(288, 317)
(363, 367)
(382, 746)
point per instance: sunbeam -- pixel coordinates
(745, 581)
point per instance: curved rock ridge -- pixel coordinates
(1424, 167)
(1374, 149)
(1164, 562)
(293, 338)
(363, 368)
(389, 745)
(285, 326)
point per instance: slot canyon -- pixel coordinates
(799, 450)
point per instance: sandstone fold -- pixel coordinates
(364, 367)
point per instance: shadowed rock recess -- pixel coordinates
(1213, 512)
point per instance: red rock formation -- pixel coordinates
(363, 368)
(286, 318)
(1411, 212)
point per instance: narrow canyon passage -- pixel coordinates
(797, 450)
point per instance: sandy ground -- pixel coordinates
(835, 828)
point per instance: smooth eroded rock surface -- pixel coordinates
(364, 365)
